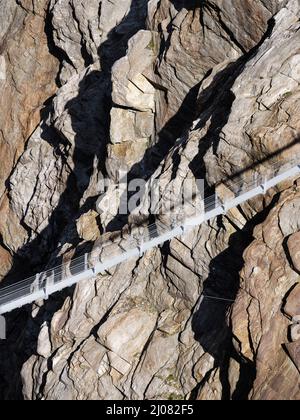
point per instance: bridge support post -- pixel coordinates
(264, 186)
(2, 328)
(86, 261)
(43, 279)
(95, 259)
(224, 207)
(185, 229)
(49, 283)
(140, 248)
(220, 203)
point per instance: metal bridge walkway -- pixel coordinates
(112, 253)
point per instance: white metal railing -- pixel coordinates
(140, 240)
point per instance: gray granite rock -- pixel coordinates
(168, 91)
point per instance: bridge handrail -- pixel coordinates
(74, 267)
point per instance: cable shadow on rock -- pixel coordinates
(211, 321)
(214, 105)
(86, 120)
(218, 92)
(175, 128)
(86, 148)
(89, 118)
(88, 144)
(89, 115)
(35, 255)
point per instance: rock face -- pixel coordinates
(265, 278)
(27, 80)
(161, 90)
(293, 245)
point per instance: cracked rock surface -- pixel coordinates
(169, 90)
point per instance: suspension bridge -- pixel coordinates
(134, 245)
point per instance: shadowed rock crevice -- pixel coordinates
(211, 322)
(154, 156)
(215, 103)
(129, 333)
(89, 112)
(55, 50)
(22, 335)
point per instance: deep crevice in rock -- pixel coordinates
(210, 322)
(224, 269)
(54, 50)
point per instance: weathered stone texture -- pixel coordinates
(168, 90)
